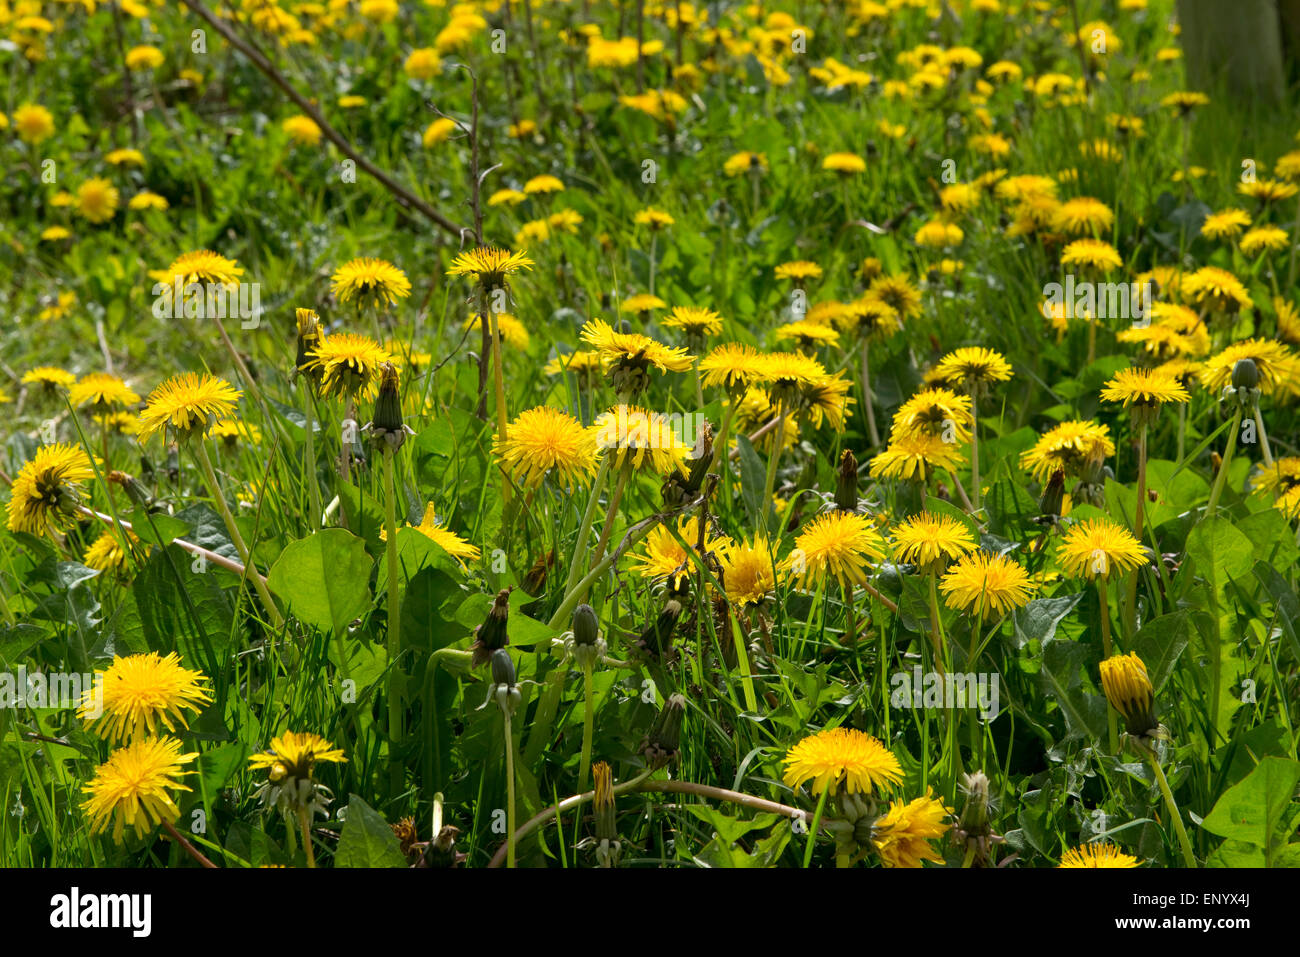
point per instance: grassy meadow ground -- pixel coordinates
(371, 583)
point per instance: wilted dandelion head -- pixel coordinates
(903, 834)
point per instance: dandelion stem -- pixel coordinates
(769, 483)
(1112, 730)
(611, 513)
(510, 793)
(1222, 477)
(1263, 435)
(1189, 856)
(394, 623)
(489, 317)
(214, 487)
(313, 486)
(742, 661)
(305, 824)
(974, 450)
(868, 401)
(812, 831)
(588, 726)
(1130, 594)
(584, 530)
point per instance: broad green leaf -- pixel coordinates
(1037, 620)
(1159, 643)
(1251, 810)
(367, 839)
(324, 579)
(1085, 714)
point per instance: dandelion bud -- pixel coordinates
(658, 637)
(587, 647)
(1128, 689)
(586, 629)
(703, 459)
(134, 488)
(491, 635)
(1053, 497)
(846, 485)
(609, 848)
(441, 851)
(503, 668)
(975, 815)
(1245, 377)
(385, 425)
(309, 337)
(661, 741)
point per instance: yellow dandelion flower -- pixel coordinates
(1097, 855)
(188, 404)
(544, 439)
(131, 787)
(633, 436)
(748, 573)
(912, 456)
(348, 364)
(903, 834)
(1070, 446)
(97, 200)
(930, 541)
(371, 282)
(1144, 387)
(489, 265)
(1127, 685)
(46, 489)
(980, 584)
(838, 544)
(141, 696)
(102, 391)
(1098, 547)
(842, 758)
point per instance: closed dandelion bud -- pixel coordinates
(586, 628)
(491, 635)
(587, 647)
(503, 668)
(503, 690)
(630, 376)
(846, 485)
(386, 426)
(309, 336)
(1053, 497)
(658, 637)
(1128, 689)
(975, 814)
(664, 737)
(134, 488)
(1245, 374)
(608, 845)
(703, 459)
